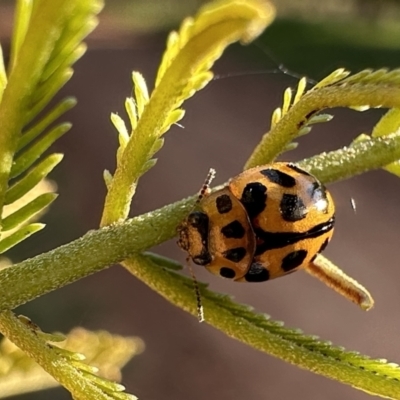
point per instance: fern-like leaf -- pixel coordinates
(97, 358)
(46, 42)
(184, 70)
(360, 91)
(376, 376)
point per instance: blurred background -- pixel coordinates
(223, 124)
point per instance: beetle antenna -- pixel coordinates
(205, 189)
(200, 309)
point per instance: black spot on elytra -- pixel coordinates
(233, 230)
(323, 247)
(277, 240)
(293, 260)
(235, 255)
(279, 177)
(227, 272)
(294, 167)
(257, 273)
(223, 203)
(292, 208)
(254, 198)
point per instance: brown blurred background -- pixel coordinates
(185, 360)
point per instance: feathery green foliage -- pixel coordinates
(366, 89)
(66, 366)
(46, 42)
(259, 331)
(184, 69)
(103, 353)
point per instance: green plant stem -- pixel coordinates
(57, 366)
(101, 248)
(275, 141)
(354, 160)
(96, 250)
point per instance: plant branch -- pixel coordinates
(101, 248)
(360, 157)
(262, 333)
(96, 250)
(199, 43)
(57, 366)
(275, 141)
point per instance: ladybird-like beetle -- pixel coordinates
(267, 222)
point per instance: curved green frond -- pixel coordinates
(46, 42)
(190, 54)
(102, 352)
(367, 89)
(257, 330)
